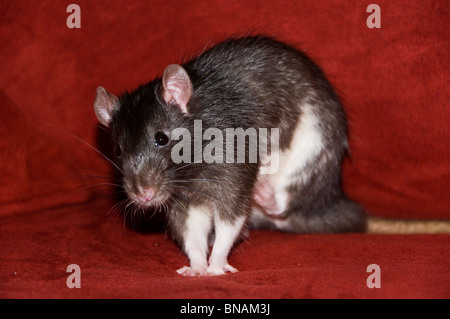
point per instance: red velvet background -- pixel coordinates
(393, 83)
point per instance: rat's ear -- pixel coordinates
(105, 104)
(177, 86)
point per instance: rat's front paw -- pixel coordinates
(216, 271)
(193, 272)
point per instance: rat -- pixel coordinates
(250, 82)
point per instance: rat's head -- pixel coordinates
(141, 123)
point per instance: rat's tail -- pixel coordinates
(396, 226)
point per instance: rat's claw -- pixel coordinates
(188, 271)
(217, 271)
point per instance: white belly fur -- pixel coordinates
(306, 145)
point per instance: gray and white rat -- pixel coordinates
(251, 82)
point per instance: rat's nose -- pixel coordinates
(146, 195)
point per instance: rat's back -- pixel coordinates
(257, 82)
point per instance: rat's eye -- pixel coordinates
(118, 152)
(161, 139)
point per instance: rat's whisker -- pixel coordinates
(87, 144)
